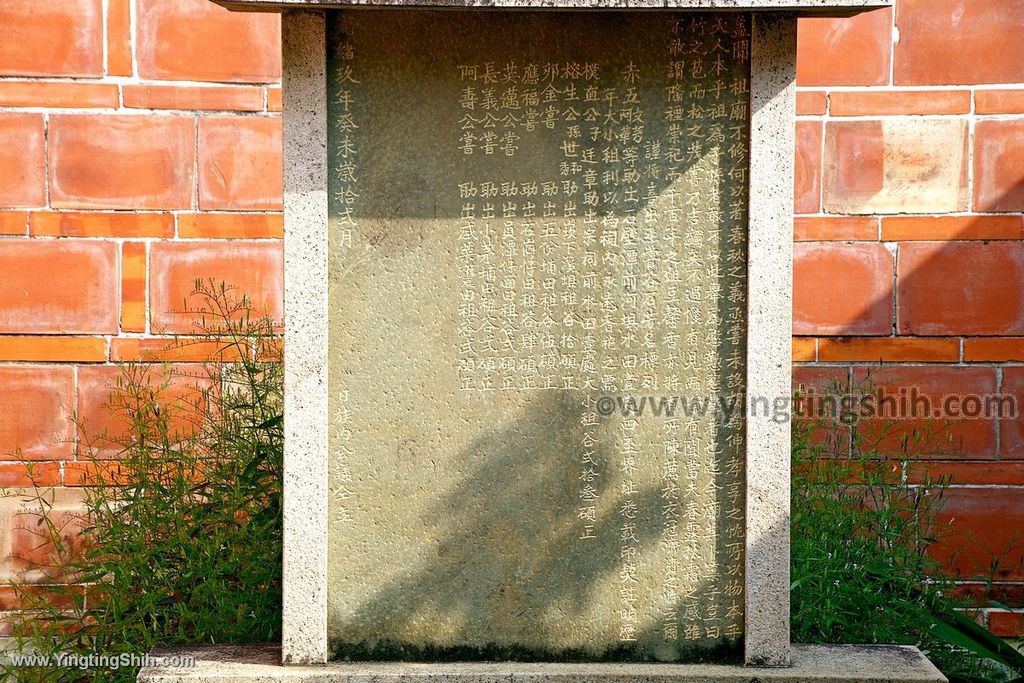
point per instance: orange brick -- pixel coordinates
(993, 349)
(961, 288)
(805, 349)
(196, 40)
(16, 597)
(95, 472)
(928, 389)
(842, 289)
(103, 419)
(856, 154)
(78, 224)
(121, 162)
(254, 268)
(37, 410)
(18, 474)
(978, 473)
(228, 225)
(13, 222)
(980, 593)
(901, 165)
(22, 162)
(810, 385)
(918, 103)
(133, 287)
(1006, 624)
(889, 350)
(119, 37)
(100, 419)
(853, 51)
(51, 38)
(999, 101)
(999, 166)
(808, 166)
(820, 379)
(982, 524)
(273, 351)
(811, 103)
(42, 94)
(178, 350)
(845, 228)
(274, 99)
(240, 163)
(955, 42)
(1011, 432)
(58, 287)
(225, 98)
(916, 228)
(32, 551)
(57, 349)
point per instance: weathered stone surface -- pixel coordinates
(533, 217)
(769, 321)
(811, 664)
(306, 396)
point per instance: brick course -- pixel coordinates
(127, 150)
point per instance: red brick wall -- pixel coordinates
(140, 149)
(909, 252)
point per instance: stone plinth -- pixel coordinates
(811, 664)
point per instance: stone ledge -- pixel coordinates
(811, 663)
(803, 7)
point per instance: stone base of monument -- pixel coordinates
(826, 663)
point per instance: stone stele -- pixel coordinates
(535, 219)
(535, 264)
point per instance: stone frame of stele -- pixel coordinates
(357, 427)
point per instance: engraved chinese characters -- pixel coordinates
(535, 219)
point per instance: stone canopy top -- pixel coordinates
(802, 7)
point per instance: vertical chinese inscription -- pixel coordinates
(343, 186)
(538, 279)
